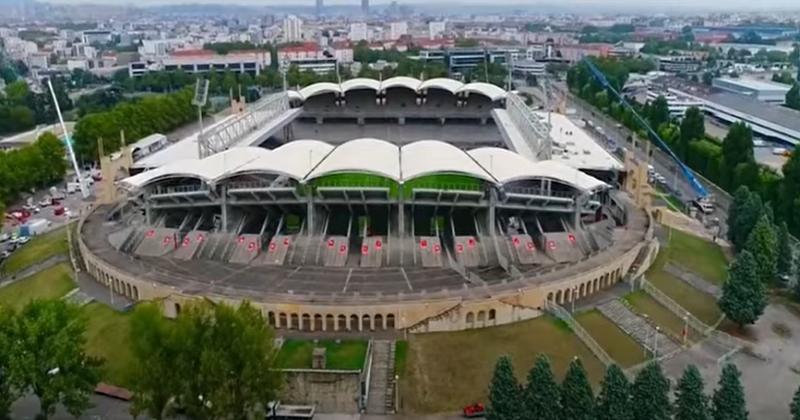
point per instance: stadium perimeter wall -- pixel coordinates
(470, 308)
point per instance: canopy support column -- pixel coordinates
(224, 207)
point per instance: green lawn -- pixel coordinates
(53, 283)
(698, 303)
(38, 249)
(400, 358)
(620, 346)
(446, 371)
(296, 354)
(643, 304)
(698, 255)
(107, 336)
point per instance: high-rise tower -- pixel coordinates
(319, 7)
(365, 7)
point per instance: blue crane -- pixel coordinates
(698, 188)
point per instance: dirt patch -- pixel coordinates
(781, 330)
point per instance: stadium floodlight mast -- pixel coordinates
(68, 141)
(199, 100)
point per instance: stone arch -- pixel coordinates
(354, 324)
(559, 297)
(294, 322)
(330, 323)
(378, 320)
(177, 309)
(492, 315)
(271, 319)
(366, 324)
(390, 323)
(305, 324)
(581, 291)
(550, 297)
(283, 322)
(318, 325)
(595, 284)
(481, 316)
(341, 323)
(135, 293)
(470, 318)
(567, 295)
(130, 290)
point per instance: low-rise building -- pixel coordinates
(679, 64)
(762, 90)
(202, 61)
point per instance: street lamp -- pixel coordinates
(655, 342)
(396, 393)
(646, 339)
(685, 327)
(574, 292)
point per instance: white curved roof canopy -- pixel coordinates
(401, 81)
(507, 166)
(428, 157)
(319, 89)
(378, 157)
(294, 159)
(360, 83)
(176, 169)
(486, 89)
(442, 83)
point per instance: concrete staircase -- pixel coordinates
(381, 383)
(637, 327)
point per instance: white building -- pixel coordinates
(358, 32)
(436, 29)
(397, 29)
(154, 48)
(292, 29)
(762, 90)
(96, 36)
(202, 61)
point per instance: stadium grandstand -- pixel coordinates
(399, 199)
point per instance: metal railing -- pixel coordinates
(562, 314)
(258, 115)
(535, 131)
(696, 324)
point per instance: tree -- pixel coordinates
(743, 296)
(659, 112)
(541, 396)
(728, 401)
(746, 217)
(692, 128)
(740, 199)
(708, 77)
(222, 353)
(650, 399)
(614, 399)
(48, 357)
(504, 392)
(8, 393)
(794, 407)
(785, 251)
(577, 401)
(691, 402)
(793, 97)
(763, 245)
(737, 148)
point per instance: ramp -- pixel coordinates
(430, 249)
(190, 245)
(524, 249)
(467, 251)
(335, 252)
(246, 248)
(277, 251)
(372, 248)
(157, 242)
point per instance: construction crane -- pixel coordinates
(698, 188)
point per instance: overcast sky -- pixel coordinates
(633, 5)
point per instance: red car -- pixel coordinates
(474, 410)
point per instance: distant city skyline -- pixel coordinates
(652, 5)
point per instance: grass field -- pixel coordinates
(446, 371)
(53, 283)
(698, 255)
(642, 303)
(38, 249)
(296, 354)
(400, 358)
(620, 346)
(107, 336)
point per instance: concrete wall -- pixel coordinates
(332, 391)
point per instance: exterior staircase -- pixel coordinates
(381, 396)
(637, 327)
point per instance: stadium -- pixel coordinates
(393, 205)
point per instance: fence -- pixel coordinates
(535, 131)
(587, 339)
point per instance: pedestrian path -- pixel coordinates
(379, 377)
(638, 328)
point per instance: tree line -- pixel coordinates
(36, 166)
(145, 116)
(728, 164)
(646, 398)
(22, 109)
(212, 361)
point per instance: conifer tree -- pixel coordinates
(728, 401)
(504, 392)
(614, 400)
(743, 296)
(650, 397)
(577, 401)
(691, 402)
(541, 398)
